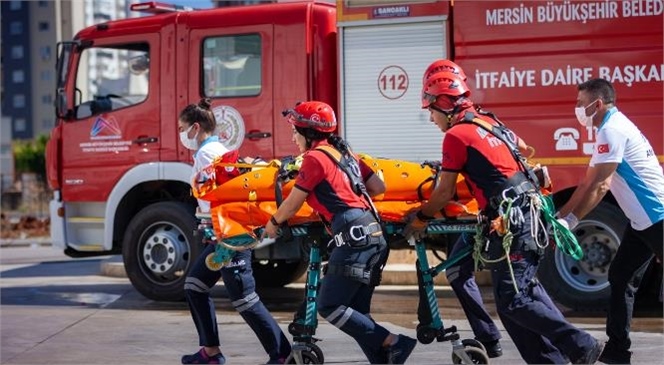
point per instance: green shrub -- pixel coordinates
(30, 156)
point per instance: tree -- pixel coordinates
(30, 156)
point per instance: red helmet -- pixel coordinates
(443, 65)
(454, 90)
(312, 114)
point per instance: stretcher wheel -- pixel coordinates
(317, 351)
(308, 357)
(471, 342)
(426, 334)
(209, 262)
(477, 356)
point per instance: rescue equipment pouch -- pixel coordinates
(368, 273)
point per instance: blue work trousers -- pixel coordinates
(461, 277)
(346, 302)
(241, 286)
(539, 330)
(636, 250)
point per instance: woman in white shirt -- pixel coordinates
(196, 125)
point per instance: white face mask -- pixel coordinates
(585, 120)
(190, 143)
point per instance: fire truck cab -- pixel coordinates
(120, 175)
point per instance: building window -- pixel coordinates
(17, 52)
(18, 76)
(45, 52)
(43, 4)
(15, 28)
(43, 26)
(15, 5)
(47, 123)
(47, 99)
(46, 75)
(19, 125)
(19, 101)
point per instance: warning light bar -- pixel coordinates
(155, 7)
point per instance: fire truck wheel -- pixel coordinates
(583, 285)
(158, 249)
(277, 273)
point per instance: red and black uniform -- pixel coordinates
(540, 332)
(484, 161)
(328, 186)
(344, 297)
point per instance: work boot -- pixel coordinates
(493, 348)
(592, 355)
(610, 355)
(399, 352)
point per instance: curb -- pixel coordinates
(393, 274)
(25, 242)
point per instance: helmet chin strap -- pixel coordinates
(448, 114)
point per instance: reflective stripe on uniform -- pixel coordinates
(245, 303)
(342, 313)
(194, 284)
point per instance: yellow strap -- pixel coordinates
(331, 151)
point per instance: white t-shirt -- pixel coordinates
(638, 183)
(209, 150)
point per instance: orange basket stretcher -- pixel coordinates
(242, 204)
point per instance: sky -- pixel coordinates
(200, 4)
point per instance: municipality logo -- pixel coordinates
(105, 129)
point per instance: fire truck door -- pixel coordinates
(115, 124)
(234, 69)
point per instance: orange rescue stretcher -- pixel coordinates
(243, 197)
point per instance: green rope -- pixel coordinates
(565, 239)
(507, 243)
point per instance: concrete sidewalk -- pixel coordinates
(400, 270)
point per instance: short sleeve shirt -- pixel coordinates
(209, 150)
(638, 184)
(329, 187)
(482, 158)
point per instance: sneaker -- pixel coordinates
(612, 356)
(201, 357)
(592, 355)
(493, 348)
(281, 360)
(399, 352)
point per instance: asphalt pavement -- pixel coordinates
(58, 310)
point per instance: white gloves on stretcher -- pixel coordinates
(569, 221)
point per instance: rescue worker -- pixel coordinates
(196, 125)
(336, 185)
(624, 162)
(485, 153)
(461, 275)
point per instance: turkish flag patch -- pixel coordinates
(603, 148)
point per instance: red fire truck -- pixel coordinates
(121, 177)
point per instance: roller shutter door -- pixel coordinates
(381, 114)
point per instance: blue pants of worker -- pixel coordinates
(539, 330)
(461, 277)
(636, 250)
(241, 286)
(346, 302)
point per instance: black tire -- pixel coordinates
(159, 248)
(477, 356)
(308, 357)
(277, 273)
(583, 285)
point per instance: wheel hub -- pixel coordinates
(599, 244)
(163, 251)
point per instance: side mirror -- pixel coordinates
(61, 110)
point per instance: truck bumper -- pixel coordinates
(55, 208)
